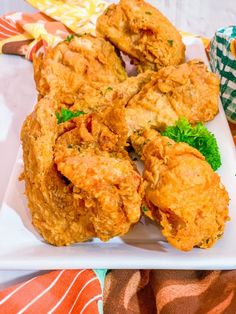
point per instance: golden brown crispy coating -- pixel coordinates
(92, 158)
(187, 90)
(80, 181)
(56, 214)
(182, 192)
(95, 97)
(156, 99)
(89, 83)
(95, 193)
(141, 31)
(71, 64)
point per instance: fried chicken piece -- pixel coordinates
(182, 192)
(71, 64)
(56, 214)
(157, 99)
(86, 74)
(188, 90)
(80, 182)
(142, 32)
(96, 97)
(92, 157)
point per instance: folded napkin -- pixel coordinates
(27, 34)
(125, 292)
(170, 292)
(62, 291)
(223, 62)
(78, 15)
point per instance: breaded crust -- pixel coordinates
(142, 32)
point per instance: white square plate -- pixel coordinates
(143, 247)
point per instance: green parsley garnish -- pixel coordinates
(67, 114)
(109, 88)
(198, 137)
(69, 38)
(148, 12)
(170, 42)
(144, 208)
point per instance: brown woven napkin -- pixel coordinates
(170, 292)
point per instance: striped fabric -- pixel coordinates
(60, 292)
(27, 34)
(13, 38)
(8, 28)
(170, 292)
(223, 62)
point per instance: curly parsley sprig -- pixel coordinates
(198, 137)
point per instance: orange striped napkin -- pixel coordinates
(25, 34)
(63, 291)
(28, 34)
